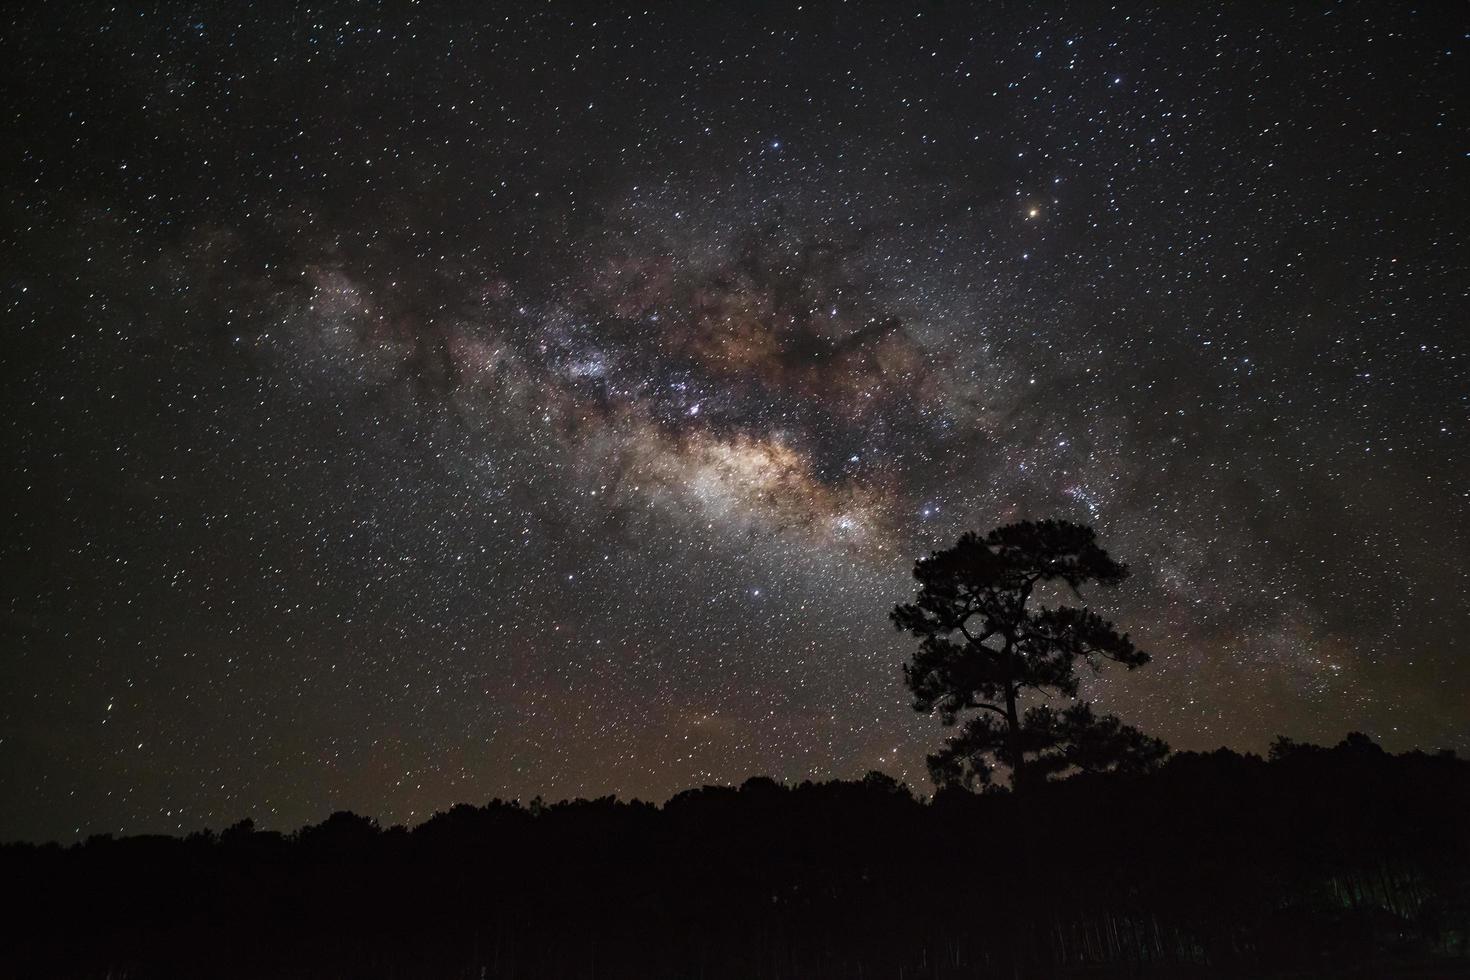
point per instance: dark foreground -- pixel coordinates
(1320, 862)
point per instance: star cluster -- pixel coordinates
(408, 406)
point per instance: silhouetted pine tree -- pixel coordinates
(984, 648)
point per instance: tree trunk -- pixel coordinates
(1013, 736)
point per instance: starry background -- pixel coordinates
(406, 407)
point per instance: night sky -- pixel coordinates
(405, 407)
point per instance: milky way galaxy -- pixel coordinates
(409, 407)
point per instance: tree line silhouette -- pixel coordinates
(1087, 850)
(1313, 862)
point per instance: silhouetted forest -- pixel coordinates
(1346, 861)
